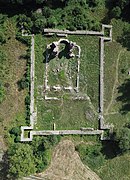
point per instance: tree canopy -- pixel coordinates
(123, 136)
(21, 160)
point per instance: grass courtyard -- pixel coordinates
(67, 113)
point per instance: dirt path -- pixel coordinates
(115, 83)
(66, 165)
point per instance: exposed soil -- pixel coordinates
(66, 165)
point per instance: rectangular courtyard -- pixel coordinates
(59, 103)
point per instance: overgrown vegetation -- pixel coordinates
(26, 159)
(71, 15)
(91, 155)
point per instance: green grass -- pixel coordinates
(67, 113)
(117, 65)
(59, 77)
(117, 119)
(116, 168)
(12, 69)
(107, 165)
(89, 66)
(111, 55)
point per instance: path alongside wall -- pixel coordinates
(102, 124)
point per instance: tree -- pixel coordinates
(2, 18)
(40, 24)
(79, 22)
(116, 12)
(25, 21)
(47, 12)
(52, 22)
(39, 1)
(94, 3)
(22, 84)
(15, 133)
(125, 39)
(21, 160)
(91, 155)
(15, 130)
(123, 136)
(123, 3)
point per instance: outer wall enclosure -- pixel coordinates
(33, 109)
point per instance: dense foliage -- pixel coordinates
(26, 159)
(21, 160)
(91, 155)
(123, 138)
(120, 8)
(70, 14)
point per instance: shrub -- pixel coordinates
(2, 93)
(123, 137)
(15, 130)
(3, 57)
(52, 22)
(22, 84)
(26, 40)
(25, 21)
(21, 160)
(91, 155)
(2, 38)
(116, 12)
(40, 24)
(47, 12)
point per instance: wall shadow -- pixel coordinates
(49, 54)
(63, 53)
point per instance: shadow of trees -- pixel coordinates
(124, 40)
(110, 149)
(4, 167)
(124, 90)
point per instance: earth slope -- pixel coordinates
(66, 165)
